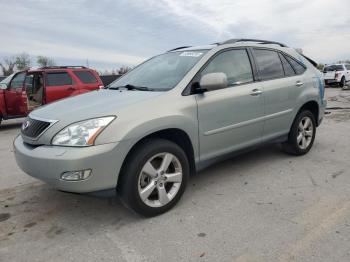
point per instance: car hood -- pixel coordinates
(93, 104)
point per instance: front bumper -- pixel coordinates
(331, 81)
(47, 163)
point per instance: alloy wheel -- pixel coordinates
(305, 132)
(160, 179)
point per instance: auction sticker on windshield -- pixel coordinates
(193, 54)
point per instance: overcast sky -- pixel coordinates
(125, 32)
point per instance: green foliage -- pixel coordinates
(44, 61)
(22, 61)
(320, 67)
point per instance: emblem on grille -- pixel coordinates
(25, 124)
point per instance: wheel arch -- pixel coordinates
(313, 107)
(175, 135)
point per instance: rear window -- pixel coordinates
(298, 68)
(269, 64)
(86, 77)
(59, 79)
(333, 68)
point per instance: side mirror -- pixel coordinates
(213, 81)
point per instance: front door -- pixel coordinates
(230, 118)
(13, 96)
(34, 86)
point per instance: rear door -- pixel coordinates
(88, 81)
(13, 96)
(58, 85)
(230, 118)
(282, 84)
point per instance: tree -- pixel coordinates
(320, 67)
(8, 66)
(122, 70)
(44, 61)
(22, 61)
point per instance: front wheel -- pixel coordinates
(302, 134)
(154, 177)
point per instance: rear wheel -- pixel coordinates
(302, 134)
(154, 177)
(342, 82)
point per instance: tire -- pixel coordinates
(134, 181)
(300, 140)
(342, 82)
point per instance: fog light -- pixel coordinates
(76, 175)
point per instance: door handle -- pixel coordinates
(256, 92)
(299, 83)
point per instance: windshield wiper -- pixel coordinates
(132, 87)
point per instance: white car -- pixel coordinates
(338, 74)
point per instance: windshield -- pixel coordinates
(161, 73)
(333, 68)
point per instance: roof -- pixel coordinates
(240, 41)
(56, 68)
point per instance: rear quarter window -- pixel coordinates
(288, 69)
(58, 79)
(299, 69)
(86, 77)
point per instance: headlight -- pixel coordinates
(82, 133)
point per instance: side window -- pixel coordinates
(234, 63)
(347, 67)
(18, 81)
(29, 83)
(288, 69)
(58, 79)
(269, 64)
(86, 77)
(299, 69)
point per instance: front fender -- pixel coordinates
(134, 132)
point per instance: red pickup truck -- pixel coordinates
(24, 91)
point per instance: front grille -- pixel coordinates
(33, 128)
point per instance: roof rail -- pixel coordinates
(59, 67)
(177, 48)
(233, 41)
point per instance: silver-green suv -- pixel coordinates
(170, 117)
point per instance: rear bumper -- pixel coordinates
(47, 163)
